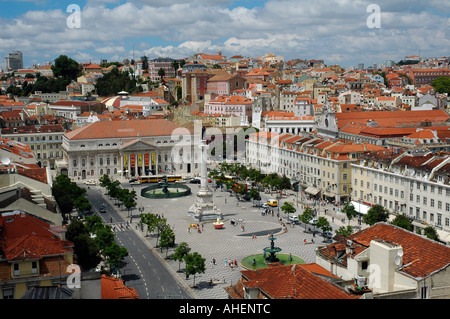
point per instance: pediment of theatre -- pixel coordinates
(137, 144)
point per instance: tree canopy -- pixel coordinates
(441, 84)
(66, 68)
(115, 81)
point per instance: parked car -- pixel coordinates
(195, 181)
(294, 219)
(102, 210)
(328, 234)
(264, 205)
(90, 182)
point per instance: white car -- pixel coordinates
(294, 219)
(264, 205)
(90, 182)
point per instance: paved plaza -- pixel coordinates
(232, 243)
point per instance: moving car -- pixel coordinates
(134, 181)
(264, 205)
(90, 182)
(195, 181)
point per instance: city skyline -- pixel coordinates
(344, 33)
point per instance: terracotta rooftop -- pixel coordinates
(421, 256)
(123, 129)
(113, 288)
(300, 281)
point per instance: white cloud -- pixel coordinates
(315, 29)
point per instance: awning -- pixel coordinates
(361, 208)
(312, 190)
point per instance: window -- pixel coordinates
(34, 269)
(16, 269)
(8, 293)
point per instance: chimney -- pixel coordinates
(386, 258)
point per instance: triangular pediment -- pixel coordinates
(137, 144)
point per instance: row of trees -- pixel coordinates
(94, 242)
(156, 224)
(69, 195)
(121, 195)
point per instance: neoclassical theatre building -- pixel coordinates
(130, 148)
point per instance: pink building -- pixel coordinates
(231, 105)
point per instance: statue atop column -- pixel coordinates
(204, 208)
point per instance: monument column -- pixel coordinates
(204, 208)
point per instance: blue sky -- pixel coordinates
(333, 30)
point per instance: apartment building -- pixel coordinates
(415, 183)
(322, 167)
(45, 141)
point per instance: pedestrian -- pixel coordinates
(214, 261)
(226, 261)
(211, 264)
(225, 200)
(235, 263)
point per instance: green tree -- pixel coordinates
(144, 60)
(345, 231)
(175, 65)
(254, 194)
(404, 222)
(85, 247)
(441, 84)
(167, 239)
(66, 67)
(323, 224)
(431, 233)
(375, 214)
(195, 264)
(115, 81)
(66, 192)
(104, 181)
(114, 254)
(82, 204)
(288, 209)
(161, 73)
(306, 216)
(180, 253)
(349, 211)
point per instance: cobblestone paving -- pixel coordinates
(230, 243)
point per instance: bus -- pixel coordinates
(159, 178)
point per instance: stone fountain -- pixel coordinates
(272, 250)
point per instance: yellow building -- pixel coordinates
(33, 254)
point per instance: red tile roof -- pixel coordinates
(113, 288)
(123, 129)
(291, 282)
(25, 237)
(421, 256)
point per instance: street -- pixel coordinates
(142, 269)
